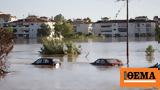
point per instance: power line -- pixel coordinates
(121, 8)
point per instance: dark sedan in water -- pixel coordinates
(46, 61)
(107, 62)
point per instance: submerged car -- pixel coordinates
(46, 61)
(107, 62)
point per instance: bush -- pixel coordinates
(72, 48)
(55, 46)
(149, 50)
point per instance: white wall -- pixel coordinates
(84, 28)
(97, 29)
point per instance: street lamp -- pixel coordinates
(127, 24)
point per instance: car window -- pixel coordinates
(102, 62)
(39, 61)
(46, 61)
(98, 61)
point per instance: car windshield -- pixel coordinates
(100, 61)
(39, 61)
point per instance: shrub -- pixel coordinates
(55, 46)
(149, 50)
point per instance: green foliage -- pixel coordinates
(89, 20)
(10, 29)
(65, 29)
(51, 47)
(44, 31)
(72, 48)
(69, 21)
(59, 18)
(157, 33)
(6, 36)
(149, 50)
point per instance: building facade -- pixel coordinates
(29, 26)
(140, 26)
(82, 25)
(5, 18)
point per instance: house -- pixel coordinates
(140, 26)
(29, 26)
(82, 25)
(5, 18)
(157, 20)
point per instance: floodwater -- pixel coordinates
(75, 73)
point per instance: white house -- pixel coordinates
(113, 28)
(85, 28)
(5, 18)
(29, 26)
(82, 25)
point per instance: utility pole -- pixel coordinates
(127, 25)
(127, 33)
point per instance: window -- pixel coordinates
(106, 31)
(102, 62)
(39, 61)
(20, 35)
(122, 29)
(14, 30)
(26, 25)
(46, 61)
(104, 26)
(148, 25)
(98, 61)
(138, 29)
(108, 35)
(138, 25)
(148, 29)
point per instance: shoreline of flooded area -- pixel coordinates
(75, 73)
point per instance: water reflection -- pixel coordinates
(2, 76)
(27, 41)
(44, 66)
(150, 59)
(72, 58)
(107, 39)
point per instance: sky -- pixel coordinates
(71, 9)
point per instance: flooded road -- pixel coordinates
(75, 73)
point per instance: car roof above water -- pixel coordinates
(106, 59)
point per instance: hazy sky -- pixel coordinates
(95, 9)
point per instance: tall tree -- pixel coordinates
(69, 21)
(59, 18)
(157, 33)
(6, 39)
(44, 31)
(89, 20)
(65, 28)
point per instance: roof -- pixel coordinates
(29, 20)
(124, 21)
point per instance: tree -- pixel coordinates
(59, 18)
(44, 31)
(69, 21)
(68, 28)
(157, 33)
(65, 29)
(89, 20)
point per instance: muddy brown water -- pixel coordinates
(75, 73)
